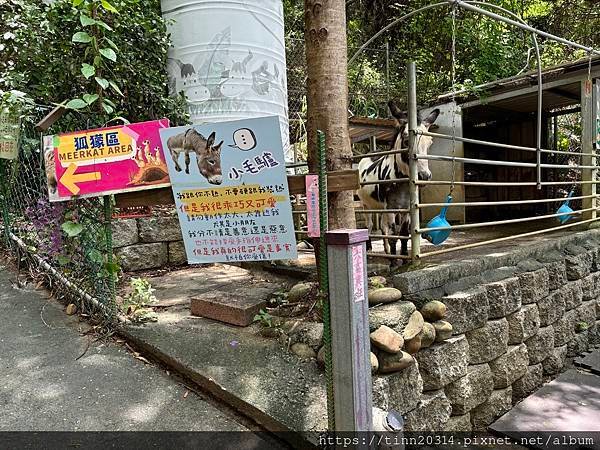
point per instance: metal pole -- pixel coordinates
(387, 67)
(324, 279)
(372, 154)
(351, 349)
(523, 26)
(501, 183)
(588, 137)
(500, 145)
(112, 281)
(493, 162)
(504, 222)
(467, 5)
(506, 202)
(395, 22)
(506, 238)
(4, 202)
(539, 86)
(415, 237)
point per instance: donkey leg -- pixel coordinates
(387, 221)
(395, 229)
(187, 162)
(370, 228)
(175, 156)
(404, 231)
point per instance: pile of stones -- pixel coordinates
(399, 330)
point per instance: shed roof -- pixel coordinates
(362, 128)
(561, 84)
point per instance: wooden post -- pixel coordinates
(351, 350)
(588, 138)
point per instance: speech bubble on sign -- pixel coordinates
(244, 139)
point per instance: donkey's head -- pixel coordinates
(209, 161)
(423, 142)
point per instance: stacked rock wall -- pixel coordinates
(516, 322)
(148, 243)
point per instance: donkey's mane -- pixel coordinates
(195, 139)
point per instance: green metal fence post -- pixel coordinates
(112, 282)
(324, 277)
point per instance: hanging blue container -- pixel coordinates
(436, 237)
(565, 210)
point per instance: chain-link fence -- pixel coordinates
(373, 81)
(70, 242)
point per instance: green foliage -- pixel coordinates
(136, 303)
(76, 49)
(487, 50)
(72, 229)
(264, 319)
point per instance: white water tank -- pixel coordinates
(228, 56)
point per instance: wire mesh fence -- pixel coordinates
(71, 241)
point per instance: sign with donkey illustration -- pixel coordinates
(231, 192)
(105, 161)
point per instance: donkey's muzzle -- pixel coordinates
(216, 179)
(425, 175)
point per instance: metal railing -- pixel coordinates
(416, 206)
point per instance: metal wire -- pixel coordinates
(31, 219)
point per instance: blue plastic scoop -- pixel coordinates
(436, 237)
(565, 209)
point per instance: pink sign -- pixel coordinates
(312, 205)
(358, 272)
(106, 161)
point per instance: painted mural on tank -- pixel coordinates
(228, 57)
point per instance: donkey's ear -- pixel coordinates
(399, 115)
(218, 146)
(211, 139)
(431, 117)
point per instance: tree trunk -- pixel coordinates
(326, 56)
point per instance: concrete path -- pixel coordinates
(44, 387)
(568, 406)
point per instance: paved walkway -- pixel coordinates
(567, 408)
(44, 387)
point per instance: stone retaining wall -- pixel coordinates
(517, 319)
(148, 243)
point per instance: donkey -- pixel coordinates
(208, 155)
(390, 167)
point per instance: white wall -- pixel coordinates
(442, 170)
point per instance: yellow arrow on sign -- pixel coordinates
(69, 178)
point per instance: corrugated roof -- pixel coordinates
(549, 74)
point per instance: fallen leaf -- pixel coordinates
(141, 358)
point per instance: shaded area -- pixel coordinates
(44, 388)
(255, 374)
(570, 403)
(590, 362)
